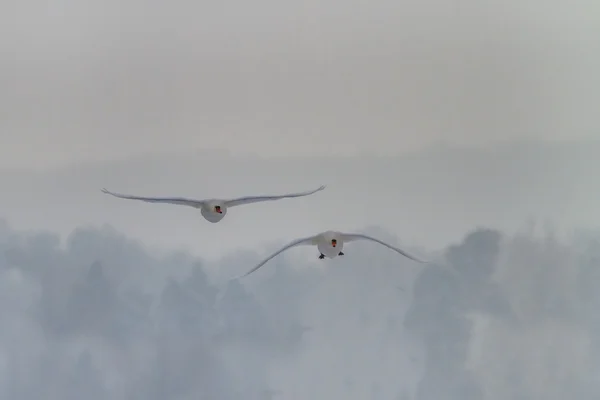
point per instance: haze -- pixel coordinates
(99, 80)
(465, 133)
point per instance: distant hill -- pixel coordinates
(427, 198)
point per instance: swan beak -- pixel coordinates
(334, 243)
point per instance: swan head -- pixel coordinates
(214, 211)
(330, 238)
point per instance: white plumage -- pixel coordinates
(213, 210)
(330, 245)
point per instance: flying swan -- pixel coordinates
(213, 210)
(330, 245)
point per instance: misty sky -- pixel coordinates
(85, 80)
(381, 101)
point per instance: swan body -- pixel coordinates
(213, 210)
(330, 244)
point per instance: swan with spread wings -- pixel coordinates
(213, 210)
(330, 245)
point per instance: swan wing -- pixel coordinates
(256, 199)
(349, 237)
(170, 200)
(307, 241)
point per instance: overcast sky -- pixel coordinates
(83, 83)
(98, 80)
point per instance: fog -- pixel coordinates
(118, 299)
(466, 133)
(427, 198)
(495, 316)
(99, 80)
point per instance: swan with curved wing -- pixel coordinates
(213, 210)
(330, 245)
